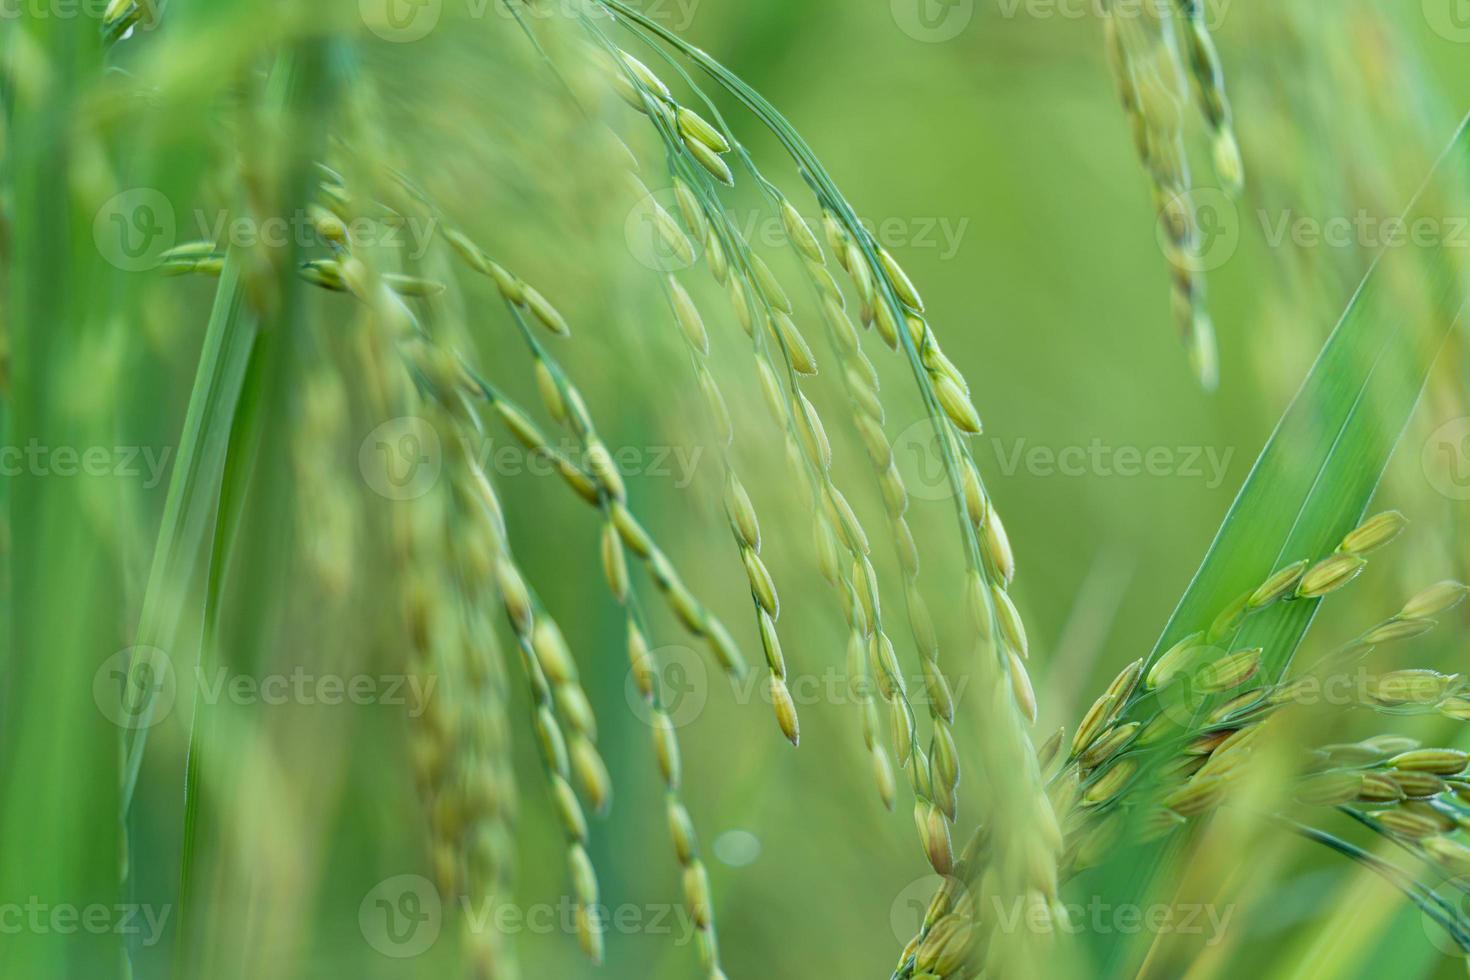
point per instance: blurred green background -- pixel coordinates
(985, 144)
(997, 165)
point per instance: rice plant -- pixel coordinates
(481, 499)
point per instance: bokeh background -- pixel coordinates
(984, 141)
(991, 155)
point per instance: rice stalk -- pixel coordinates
(1110, 769)
(988, 551)
(564, 726)
(865, 646)
(1207, 757)
(598, 483)
(601, 486)
(759, 299)
(1143, 46)
(620, 526)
